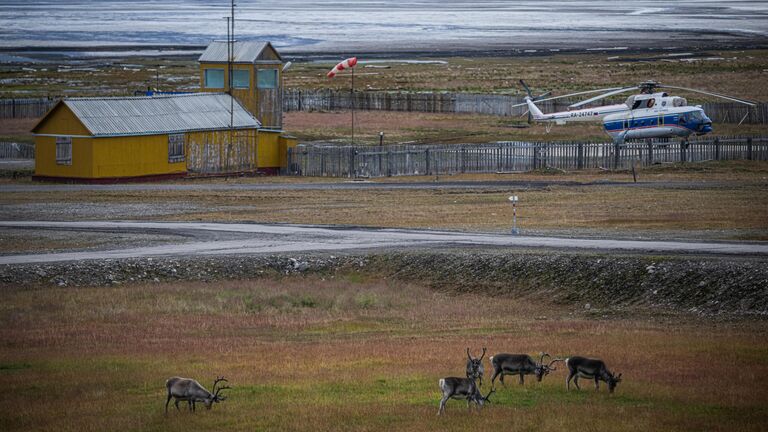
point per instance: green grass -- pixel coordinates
(362, 355)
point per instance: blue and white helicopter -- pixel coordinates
(650, 114)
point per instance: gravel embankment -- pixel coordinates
(713, 285)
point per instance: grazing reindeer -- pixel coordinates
(461, 388)
(186, 389)
(581, 367)
(520, 364)
(475, 367)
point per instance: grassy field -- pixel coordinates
(428, 128)
(720, 200)
(731, 72)
(354, 351)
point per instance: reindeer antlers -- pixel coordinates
(217, 381)
(549, 366)
(489, 394)
(470, 355)
(543, 354)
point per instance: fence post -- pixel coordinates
(580, 161)
(535, 156)
(717, 148)
(650, 152)
(352, 172)
(463, 159)
(426, 156)
(683, 147)
(616, 155)
(389, 163)
(289, 158)
(749, 148)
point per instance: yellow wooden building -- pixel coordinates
(151, 137)
(141, 138)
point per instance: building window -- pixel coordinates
(266, 78)
(175, 148)
(64, 150)
(241, 78)
(214, 78)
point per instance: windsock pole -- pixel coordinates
(352, 94)
(347, 64)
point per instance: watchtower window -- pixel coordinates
(241, 78)
(64, 150)
(214, 78)
(266, 78)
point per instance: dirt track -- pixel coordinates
(266, 239)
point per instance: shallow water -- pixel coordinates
(299, 25)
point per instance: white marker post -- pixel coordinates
(513, 200)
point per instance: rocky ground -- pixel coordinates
(600, 284)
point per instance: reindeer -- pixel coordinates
(581, 367)
(475, 367)
(186, 389)
(461, 388)
(522, 364)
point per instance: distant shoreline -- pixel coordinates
(103, 52)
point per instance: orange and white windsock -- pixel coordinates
(346, 64)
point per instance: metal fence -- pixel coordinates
(12, 150)
(512, 156)
(501, 105)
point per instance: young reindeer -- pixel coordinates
(186, 389)
(520, 364)
(475, 367)
(461, 388)
(581, 367)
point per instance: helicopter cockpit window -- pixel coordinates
(636, 105)
(650, 103)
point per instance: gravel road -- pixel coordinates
(271, 239)
(342, 185)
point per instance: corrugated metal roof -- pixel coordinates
(151, 115)
(245, 51)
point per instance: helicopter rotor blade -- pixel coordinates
(730, 98)
(527, 89)
(603, 96)
(542, 96)
(565, 96)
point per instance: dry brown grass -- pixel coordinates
(355, 352)
(736, 201)
(427, 128)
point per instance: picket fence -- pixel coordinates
(321, 160)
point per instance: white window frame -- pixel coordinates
(63, 150)
(175, 148)
(247, 75)
(205, 78)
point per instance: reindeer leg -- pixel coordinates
(576, 381)
(441, 410)
(568, 381)
(597, 384)
(493, 378)
(176, 402)
(522, 380)
(167, 401)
